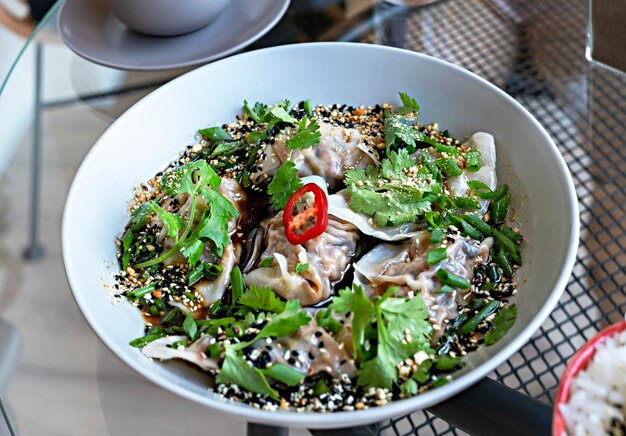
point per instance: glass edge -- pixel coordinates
(28, 42)
(589, 46)
(4, 416)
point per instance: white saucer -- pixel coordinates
(91, 30)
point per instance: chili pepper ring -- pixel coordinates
(319, 211)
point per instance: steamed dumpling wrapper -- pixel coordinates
(328, 256)
(458, 186)
(405, 266)
(339, 149)
(302, 347)
(194, 353)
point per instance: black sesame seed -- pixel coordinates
(321, 344)
(318, 334)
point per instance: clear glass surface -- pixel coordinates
(54, 105)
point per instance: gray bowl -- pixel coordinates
(167, 17)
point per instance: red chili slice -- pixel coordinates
(294, 224)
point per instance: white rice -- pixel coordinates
(597, 404)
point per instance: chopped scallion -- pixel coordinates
(445, 289)
(473, 322)
(138, 293)
(436, 255)
(451, 279)
(509, 246)
(266, 263)
(467, 203)
(236, 283)
(472, 160)
(477, 223)
(449, 167)
(145, 340)
(437, 235)
(471, 231)
(502, 260)
(480, 189)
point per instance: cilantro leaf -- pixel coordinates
(394, 193)
(278, 111)
(502, 322)
(216, 134)
(307, 135)
(378, 372)
(327, 321)
(213, 224)
(283, 185)
(397, 127)
(363, 311)
(228, 148)
(401, 132)
(402, 315)
(402, 330)
(235, 370)
(285, 323)
(189, 178)
(258, 112)
(192, 249)
(409, 105)
(172, 221)
(395, 164)
(139, 217)
(262, 299)
(284, 374)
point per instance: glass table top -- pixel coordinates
(56, 377)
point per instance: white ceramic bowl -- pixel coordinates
(151, 133)
(167, 17)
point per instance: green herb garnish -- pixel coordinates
(502, 322)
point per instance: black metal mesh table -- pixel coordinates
(535, 51)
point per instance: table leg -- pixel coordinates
(35, 251)
(266, 430)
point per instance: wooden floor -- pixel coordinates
(67, 382)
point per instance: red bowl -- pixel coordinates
(577, 363)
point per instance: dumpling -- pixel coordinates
(310, 350)
(404, 266)
(212, 290)
(328, 256)
(457, 186)
(339, 149)
(194, 353)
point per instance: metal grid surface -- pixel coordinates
(535, 51)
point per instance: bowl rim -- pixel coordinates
(577, 363)
(395, 408)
